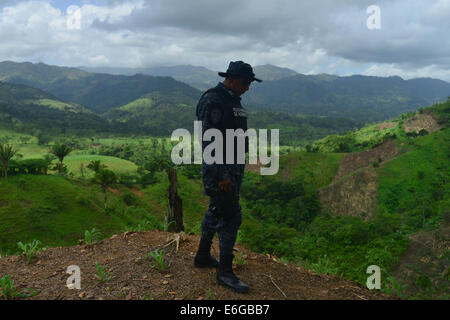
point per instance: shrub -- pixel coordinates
(81, 199)
(130, 198)
(128, 180)
(423, 282)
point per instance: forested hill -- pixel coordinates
(196, 76)
(357, 97)
(31, 110)
(306, 107)
(12, 93)
(360, 98)
(97, 92)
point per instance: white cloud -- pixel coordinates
(308, 36)
(386, 70)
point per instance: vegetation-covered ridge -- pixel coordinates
(283, 214)
(285, 217)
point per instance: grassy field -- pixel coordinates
(57, 211)
(119, 166)
(59, 105)
(11, 137)
(50, 209)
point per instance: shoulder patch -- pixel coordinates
(239, 112)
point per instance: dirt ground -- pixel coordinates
(353, 161)
(422, 121)
(386, 125)
(353, 195)
(134, 277)
(354, 190)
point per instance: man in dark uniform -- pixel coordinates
(220, 108)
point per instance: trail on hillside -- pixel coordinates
(134, 277)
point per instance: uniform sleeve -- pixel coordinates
(210, 112)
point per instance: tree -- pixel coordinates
(96, 165)
(7, 152)
(61, 151)
(105, 178)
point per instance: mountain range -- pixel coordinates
(198, 77)
(362, 98)
(160, 102)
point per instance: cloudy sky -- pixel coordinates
(322, 36)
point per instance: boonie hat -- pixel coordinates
(240, 69)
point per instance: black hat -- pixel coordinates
(240, 69)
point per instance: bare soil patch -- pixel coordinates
(114, 190)
(418, 122)
(352, 195)
(353, 161)
(386, 125)
(134, 277)
(137, 192)
(354, 190)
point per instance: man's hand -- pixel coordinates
(225, 185)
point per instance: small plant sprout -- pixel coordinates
(30, 249)
(102, 274)
(209, 294)
(9, 292)
(240, 259)
(158, 263)
(91, 236)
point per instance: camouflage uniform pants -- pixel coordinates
(224, 213)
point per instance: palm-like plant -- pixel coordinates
(7, 152)
(61, 151)
(105, 178)
(96, 165)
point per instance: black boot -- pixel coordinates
(227, 278)
(203, 258)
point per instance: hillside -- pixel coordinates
(390, 203)
(357, 97)
(27, 109)
(378, 195)
(270, 72)
(97, 92)
(53, 210)
(133, 278)
(158, 114)
(196, 76)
